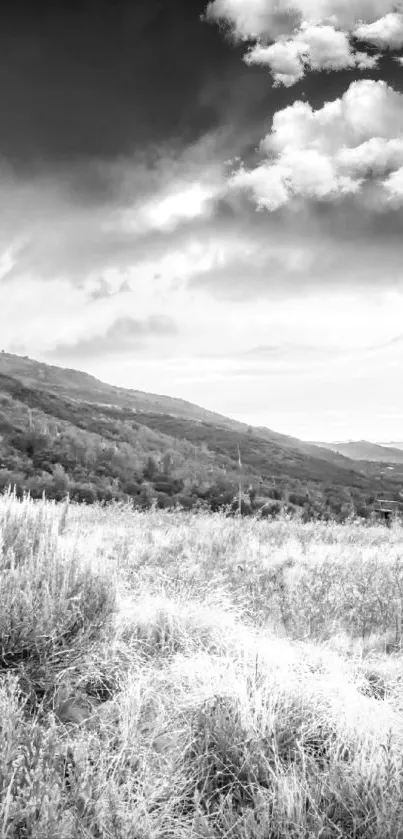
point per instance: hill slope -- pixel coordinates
(65, 430)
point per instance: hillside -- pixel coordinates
(363, 450)
(63, 430)
(75, 384)
(83, 387)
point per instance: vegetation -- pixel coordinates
(172, 674)
(63, 432)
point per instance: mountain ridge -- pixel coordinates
(363, 450)
(20, 366)
(62, 429)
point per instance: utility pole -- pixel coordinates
(240, 482)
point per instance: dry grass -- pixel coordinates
(177, 675)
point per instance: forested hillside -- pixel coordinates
(61, 431)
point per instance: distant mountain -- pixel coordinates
(393, 445)
(363, 450)
(64, 430)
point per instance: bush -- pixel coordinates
(270, 510)
(49, 594)
(86, 493)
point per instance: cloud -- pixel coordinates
(73, 263)
(288, 254)
(351, 146)
(255, 267)
(294, 36)
(126, 334)
(103, 289)
(394, 184)
(292, 353)
(367, 109)
(247, 20)
(52, 229)
(137, 78)
(313, 48)
(256, 19)
(179, 203)
(385, 33)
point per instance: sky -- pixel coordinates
(205, 199)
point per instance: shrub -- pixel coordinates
(50, 594)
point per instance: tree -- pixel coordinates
(61, 480)
(146, 495)
(167, 464)
(150, 469)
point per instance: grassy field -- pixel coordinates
(172, 675)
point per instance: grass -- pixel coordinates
(175, 675)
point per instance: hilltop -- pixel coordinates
(64, 430)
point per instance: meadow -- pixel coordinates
(177, 675)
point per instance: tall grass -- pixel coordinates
(180, 675)
(49, 593)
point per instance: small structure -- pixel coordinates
(386, 509)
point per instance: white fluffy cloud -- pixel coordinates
(313, 47)
(386, 33)
(293, 36)
(346, 147)
(367, 109)
(269, 18)
(257, 18)
(251, 19)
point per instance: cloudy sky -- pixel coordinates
(206, 200)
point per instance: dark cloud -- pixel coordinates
(320, 247)
(106, 101)
(89, 81)
(92, 79)
(126, 334)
